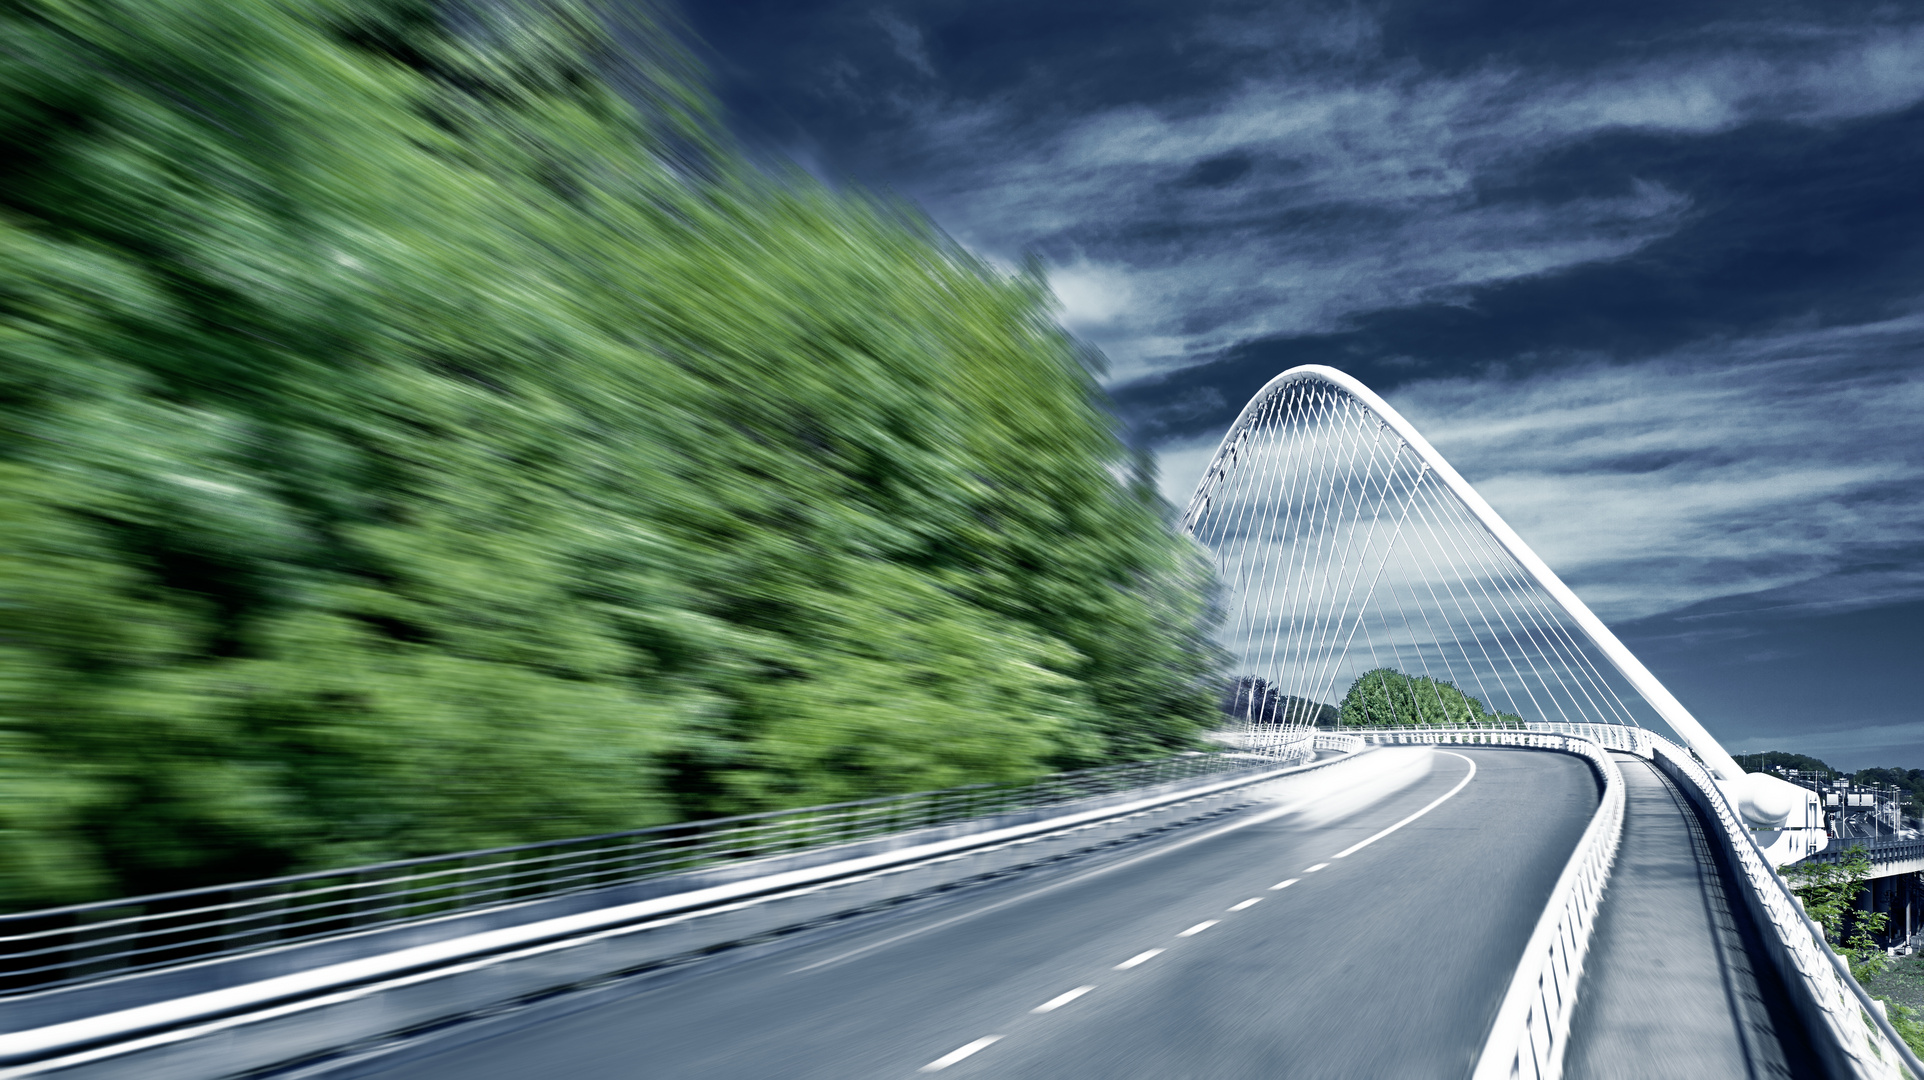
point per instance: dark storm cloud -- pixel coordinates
(834, 73)
(1244, 187)
(1791, 225)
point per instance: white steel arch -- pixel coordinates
(1222, 484)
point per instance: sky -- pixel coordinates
(1650, 275)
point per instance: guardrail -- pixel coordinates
(1343, 744)
(270, 1021)
(63, 946)
(274, 1019)
(1879, 853)
(1532, 1024)
(1861, 1041)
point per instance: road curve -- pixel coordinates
(1169, 959)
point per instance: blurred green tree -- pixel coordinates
(419, 429)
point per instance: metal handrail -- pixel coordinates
(1855, 1020)
(80, 943)
(1532, 1024)
(604, 938)
(1858, 1026)
(1886, 851)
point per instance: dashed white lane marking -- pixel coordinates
(1060, 1000)
(1361, 844)
(954, 1056)
(1255, 819)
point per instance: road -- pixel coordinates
(1187, 956)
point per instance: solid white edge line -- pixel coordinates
(1199, 928)
(1259, 818)
(1060, 1000)
(1139, 958)
(21, 1046)
(1361, 844)
(956, 1055)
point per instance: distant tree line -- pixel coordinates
(1253, 699)
(420, 430)
(1771, 760)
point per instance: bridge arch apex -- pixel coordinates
(1258, 421)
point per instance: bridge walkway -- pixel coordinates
(1675, 984)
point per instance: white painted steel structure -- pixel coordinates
(1362, 569)
(1349, 545)
(1318, 449)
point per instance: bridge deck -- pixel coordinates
(1388, 963)
(1671, 988)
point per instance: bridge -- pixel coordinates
(1463, 832)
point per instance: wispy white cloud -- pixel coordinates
(1355, 182)
(1653, 486)
(1866, 746)
(907, 39)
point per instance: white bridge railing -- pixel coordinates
(1527, 1041)
(1835, 1005)
(1533, 1022)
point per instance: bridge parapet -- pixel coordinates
(1855, 1033)
(1533, 1023)
(1888, 857)
(203, 1020)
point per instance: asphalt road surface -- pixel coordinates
(1244, 947)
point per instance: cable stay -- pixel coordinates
(1366, 584)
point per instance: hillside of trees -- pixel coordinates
(1767, 760)
(416, 438)
(1385, 697)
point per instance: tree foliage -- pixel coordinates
(1830, 892)
(418, 430)
(1384, 697)
(1767, 760)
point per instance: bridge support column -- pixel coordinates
(1895, 895)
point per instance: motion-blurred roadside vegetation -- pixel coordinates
(420, 430)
